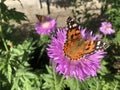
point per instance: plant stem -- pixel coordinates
(62, 79)
(1, 33)
(106, 40)
(3, 40)
(54, 75)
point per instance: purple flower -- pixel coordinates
(46, 27)
(106, 28)
(82, 68)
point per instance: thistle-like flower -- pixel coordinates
(80, 68)
(46, 25)
(106, 28)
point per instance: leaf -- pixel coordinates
(5, 66)
(25, 80)
(104, 69)
(52, 80)
(13, 61)
(115, 85)
(11, 14)
(94, 84)
(75, 84)
(117, 38)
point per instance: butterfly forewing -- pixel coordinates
(71, 23)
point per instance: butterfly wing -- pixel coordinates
(41, 18)
(74, 46)
(74, 50)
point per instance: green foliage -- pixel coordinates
(14, 66)
(75, 84)
(97, 83)
(10, 14)
(52, 80)
(25, 80)
(104, 69)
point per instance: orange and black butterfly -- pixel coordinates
(76, 46)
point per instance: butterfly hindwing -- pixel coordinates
(100, 45)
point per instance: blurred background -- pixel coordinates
(59, 9)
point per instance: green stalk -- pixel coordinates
(105, 38)
(54, 75)
(1, 33)
(62, 79)
(3, 40)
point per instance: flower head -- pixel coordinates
(81, 68)
(46, 26)
(106, 28)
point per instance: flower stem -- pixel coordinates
(61, 81)
(3, 40)
(105, 38)
(54, 75)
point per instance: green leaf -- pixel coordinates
(11, 14)
(52, 80)
(94, 84)
(75, 84)
(25, 80)
(104, 69)
(117, 38)
(13, 61)
(5, 66)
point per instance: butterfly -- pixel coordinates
(41, 18)
(75, 46)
